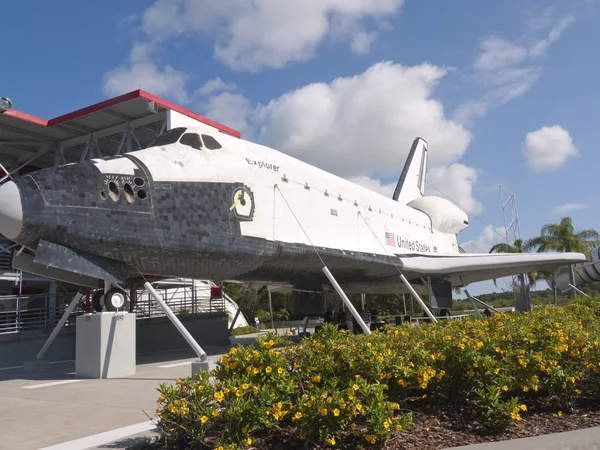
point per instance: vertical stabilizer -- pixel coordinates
(412, 180)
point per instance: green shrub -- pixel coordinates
(335, 382)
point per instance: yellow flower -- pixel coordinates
(268, 369)
(505, 388)
(398, 427)
(370, 438)
(355, 387)
(203, 419)
(336, 412)
(343, 405)
(331, 441)
(249, 441)
(215, 413)
(219, 396)
(316, 378)
(559, 413)
(280, 371)
(523, 407)
(245, 386)
(323, 411)
(297, 416)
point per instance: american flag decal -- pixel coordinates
(390, 239)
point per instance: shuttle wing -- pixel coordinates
(465, 268)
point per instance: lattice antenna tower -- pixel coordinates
(510, 215)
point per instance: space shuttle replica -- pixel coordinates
(197, 203)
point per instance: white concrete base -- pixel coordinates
(105, 345)
(202, 366)
(37, 366)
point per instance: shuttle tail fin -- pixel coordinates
(411, 184)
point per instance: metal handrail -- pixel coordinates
(30, 313)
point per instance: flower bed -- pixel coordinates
(337, 386)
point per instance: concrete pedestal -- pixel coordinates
(105, 345)
(203, 366)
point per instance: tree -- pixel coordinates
(562, 237)
(249, 297)
(552, 275)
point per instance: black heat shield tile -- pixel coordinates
(65, 258)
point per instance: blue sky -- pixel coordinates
(504, 92)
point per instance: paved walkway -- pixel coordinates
(54, 410)
(585, 439)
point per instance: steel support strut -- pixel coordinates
(59, 325)
(346, 301)
(416, 296)
(479, 301)
(185, 333)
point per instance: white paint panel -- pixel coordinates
(261, 169)
(123, 166)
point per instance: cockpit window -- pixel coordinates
(169, 137)
(210, 142)
(191, 139)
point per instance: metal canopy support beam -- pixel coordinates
(416, 296)
(29, 161)
(346, 301)
(59, 325)
(115, 129)
(186, 335)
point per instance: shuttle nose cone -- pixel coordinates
(11, 210)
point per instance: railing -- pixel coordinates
(34, 313)
(187, 300)
(31, 313)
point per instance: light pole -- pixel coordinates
(5, 104)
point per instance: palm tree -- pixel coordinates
(517, 247)
(562, 237)
(552, 275)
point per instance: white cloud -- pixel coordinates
(568, 207)
(541, 47)
(507, 70)
(268, 33)
(215, 85)
(142, 73)
(455, 181)
(548, 148)
(496, 53)
(489, 237)
(232, 109)
(364, 124)
(362, 41)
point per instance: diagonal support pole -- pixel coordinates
(416, 296)
(483, 303)
(171, 315)
(346, 301)
(59, 325)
